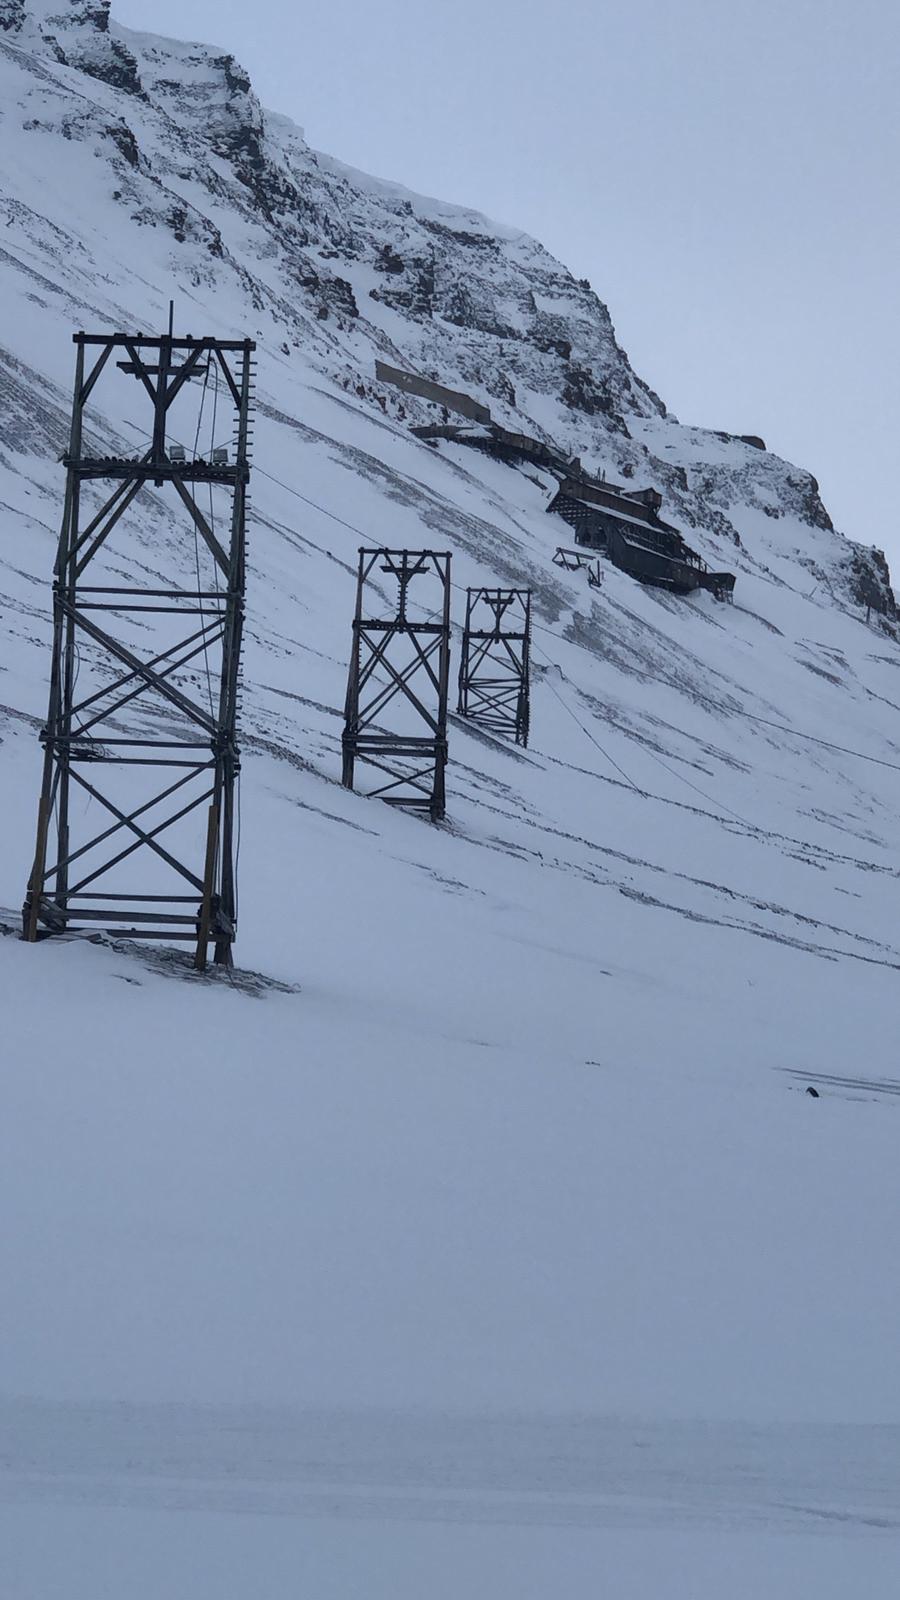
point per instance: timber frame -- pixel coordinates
(494, 673)
(402, 663)
(180, 748)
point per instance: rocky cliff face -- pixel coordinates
(345, 267)
(77, 33)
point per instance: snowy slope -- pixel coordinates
(523, 1131)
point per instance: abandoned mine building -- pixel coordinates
(625, 526)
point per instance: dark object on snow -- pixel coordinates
(813, 1092)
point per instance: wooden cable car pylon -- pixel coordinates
(495, 668)
(194, 746)
(400, 669)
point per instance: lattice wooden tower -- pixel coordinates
(400, 669)
(146, 650)
(495, 667)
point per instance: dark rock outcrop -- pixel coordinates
(12, 15)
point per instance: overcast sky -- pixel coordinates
(724, 171)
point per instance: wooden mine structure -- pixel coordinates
(580, 561)
(428, 389)
(623, 525)
(402, 662)
(119, 645)
(494, 673)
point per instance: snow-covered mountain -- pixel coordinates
(333, 267)
(533, 1133)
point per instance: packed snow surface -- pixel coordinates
(480, 1237)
